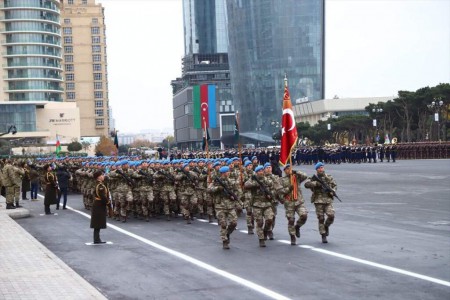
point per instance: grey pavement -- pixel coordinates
(29, 270)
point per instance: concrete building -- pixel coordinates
(205, 63)
(268, 39)
(85, 63)
(314, 111)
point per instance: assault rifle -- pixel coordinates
(148, 178)
(127, 179)
(225, 189)
(203, 172)
(167, 175)
(326, 187)
(263, 187)
(192, 180)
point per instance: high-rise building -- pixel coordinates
(205, 63)
(268, 39)
(31, 75)
(85, 63)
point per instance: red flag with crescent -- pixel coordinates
(288, 128)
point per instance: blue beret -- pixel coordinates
(245, 158)
(318, 165)
(247, 163)
(254, 157)
(286, 166)
(224, 169)
(267, 165)
(216, 164)
(185, 165)
(259, 168)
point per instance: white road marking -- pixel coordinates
(252, 285)
(372, 264)
(92, 244)
(237, 279)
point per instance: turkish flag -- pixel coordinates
(288, 128)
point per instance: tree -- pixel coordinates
(142, 143)
(123, 149)
(168, 141)
(105, 147)
(74, 147)
(85, 145)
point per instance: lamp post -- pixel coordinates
(11, 129)
(276, 125)
(376, 111)
(436, 105)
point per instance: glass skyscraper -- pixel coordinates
(31, 50)
(268, 39)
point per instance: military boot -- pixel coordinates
(262, 243)
(265, 235)
(324, 238)
(18, 206)
(188, 219)
(210, 218)
(124, 219)
(10, 206)
(147, 219)
(270, 235)
(250, 230)
(293, 240)
(168, 217)
(327, 230)
(297, 231)
(226, 245)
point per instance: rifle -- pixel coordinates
(325, 187)
(194, 182)
(225, 189)
(167, 175)
(149, 178)
(203, 172)
(263, 187)
(128, 179)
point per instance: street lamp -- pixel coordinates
(376, 111)
(11, 129)
(436, 106)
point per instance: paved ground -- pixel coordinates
(28, 270)
(390, 240)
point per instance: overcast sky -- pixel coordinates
(373, 48)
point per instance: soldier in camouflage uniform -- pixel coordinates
(144, 175)
(13, 179)
(224, 204)
(322, 200)
(167, 190)
(187, 182)
(262, 204)
(204, 201)
(292, 197)
(124, 195)
(274, 185)
(247, 195)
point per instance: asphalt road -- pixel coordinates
(390, 240)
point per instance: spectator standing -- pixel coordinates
(63, 177)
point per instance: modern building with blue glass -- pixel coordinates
(205, 62)
(268, 39)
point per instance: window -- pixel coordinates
(96, 48)
(98, 103)
(97, 76)
(68, 49)
(70, 86)
(97, 67)
(66, 21)
(98, 85)
(94, 21)
(95, 30)
(99, 122)
(70, 95)
(84, 2)
(98, 95)
(95, 40)
(69, 1)
(96, 57)
(68, 67)
(67, 30)
(67, 40)
(68, 58)
(99, 112)
(70, 77)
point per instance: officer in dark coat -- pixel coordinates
(99, 206)
(51, 189)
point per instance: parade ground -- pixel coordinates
(390, 240)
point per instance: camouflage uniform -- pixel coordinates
(145, 189)
(248, 203)
(262, 207)
(225, 208)
(188, 197)
(167, 190)
(294, 203)
(323, 202)
(124, 195)
(13, 180)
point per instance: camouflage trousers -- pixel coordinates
(205, 203)
(88, 198)
(12, 194)
(188, 204)
(125, 201)
(169, 199)
(291, 208)
(227, 220)
(323, 209)
(146, 198)
(264, 220)
(249, 211)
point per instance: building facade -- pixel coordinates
(85, 63)
(269, 39)
(205, 63)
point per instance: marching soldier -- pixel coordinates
(188, 197)
(323, 200)
(293, 201)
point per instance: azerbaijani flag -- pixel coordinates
(204, 99)
(58, 145)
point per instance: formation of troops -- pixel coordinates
(219, 188)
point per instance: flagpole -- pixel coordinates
(241, 175)
(205, 135)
